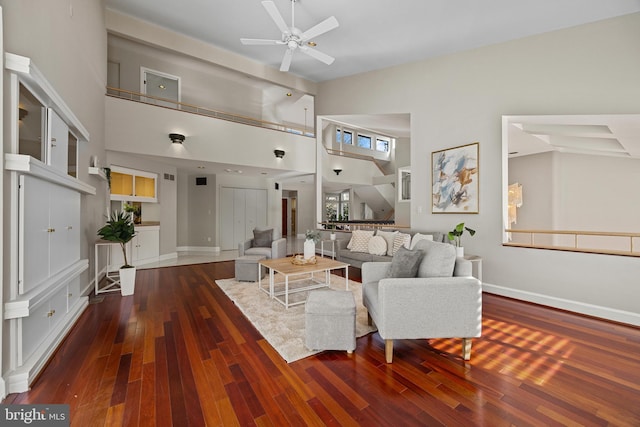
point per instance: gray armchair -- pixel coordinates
(276, 248)
(425, 307)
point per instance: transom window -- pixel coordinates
(363, 140)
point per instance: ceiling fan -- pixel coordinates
(293, 38)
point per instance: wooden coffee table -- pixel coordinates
(291, 273)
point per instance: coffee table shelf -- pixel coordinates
(291, 274)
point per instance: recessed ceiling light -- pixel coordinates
(228, 170)
(288, 93)
(238, 171)
(162, 87)
(200, 167)
(263, 173)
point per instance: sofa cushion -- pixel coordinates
(262, 238)
(377, 246)
(357, 256)
(439, 259)
(417, 237)
(405, 262)
(360, 240)
(401, 239)
(388, 237)
(258, 251)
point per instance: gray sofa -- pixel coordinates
(443, 301)
(356, 259)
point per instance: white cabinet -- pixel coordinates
(142, 249)
(50, 230)
(146, 245)
(42, 284)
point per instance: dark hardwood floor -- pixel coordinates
(180, 353)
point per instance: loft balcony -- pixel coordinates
(140, 124)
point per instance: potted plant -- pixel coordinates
(332, 234)
(456, 234)
(312, 237)
(120, 229)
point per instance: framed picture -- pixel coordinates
(454, 180)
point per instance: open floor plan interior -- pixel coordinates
(213, 121)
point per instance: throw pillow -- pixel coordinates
(360, 240)
(417, 237)
(439, 259)
(262, 238)
(377, 246)
(405, 262)
(401, 239)
(388, 237)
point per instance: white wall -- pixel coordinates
(459, 99)
(70, 51)
(306, 205)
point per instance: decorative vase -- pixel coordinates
(309, 249)
(127, 281)
(459, 251)
(332, 236)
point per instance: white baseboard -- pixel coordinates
(165, 257)
(564, 304)
(214, 249)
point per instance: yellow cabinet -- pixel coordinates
(133, 185)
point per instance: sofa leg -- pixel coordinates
(466, 348)
(388, 350)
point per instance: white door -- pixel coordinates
(58, 141)
(33, 264)
(147, 245)
(64, 218)
(160, 85)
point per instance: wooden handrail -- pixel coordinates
(204, 111)
(576, 244)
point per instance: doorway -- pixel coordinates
(160, 85)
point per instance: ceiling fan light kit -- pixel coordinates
(293, 38)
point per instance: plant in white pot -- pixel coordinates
(120, 229)
(456, 234)
(312, 237)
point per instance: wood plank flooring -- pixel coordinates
(180, 353)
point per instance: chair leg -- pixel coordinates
(466, 348)
(388, 350)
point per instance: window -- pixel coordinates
(336, 206)
(338, 136)
(347, 137)
(364, 141)
(382, 145)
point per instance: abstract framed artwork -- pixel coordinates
(454, 180)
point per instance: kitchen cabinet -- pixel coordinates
(133, 185)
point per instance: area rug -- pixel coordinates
(284, 328)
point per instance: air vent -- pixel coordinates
(201, 180)
(169, 177)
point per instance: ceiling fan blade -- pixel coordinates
(286, 60)
(273, 12)
(260, 41)
(326, 25)
(314, 53)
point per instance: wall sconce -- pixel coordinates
(176, 138)
(279, 153)
(22, 113)
(337, 171)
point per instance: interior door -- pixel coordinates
(285, 216)
(161, 85)
(33, 264)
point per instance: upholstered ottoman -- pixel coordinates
(330, 318)
(247, 268)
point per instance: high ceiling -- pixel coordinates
(372, 34)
